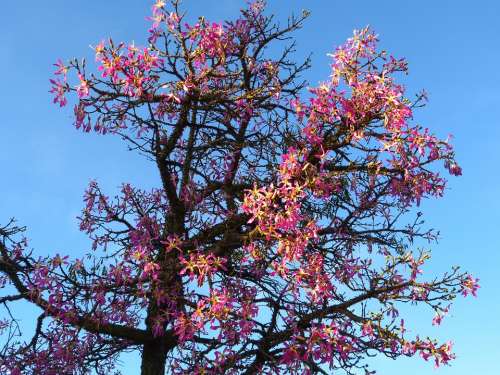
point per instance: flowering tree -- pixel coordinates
(282, 238)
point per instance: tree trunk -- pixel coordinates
(154, 355)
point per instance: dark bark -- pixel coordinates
(154, 354)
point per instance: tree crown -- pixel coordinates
(282, 236)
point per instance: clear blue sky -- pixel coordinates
(453, 51)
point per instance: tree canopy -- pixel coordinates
(283, 236)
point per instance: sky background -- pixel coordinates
(453, 51)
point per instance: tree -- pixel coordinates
(283, 237)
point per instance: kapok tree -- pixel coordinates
(283, 236)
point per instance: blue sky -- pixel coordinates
(453, 51)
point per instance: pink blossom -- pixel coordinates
(59, 90)
(470, 286)
(83, 88)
